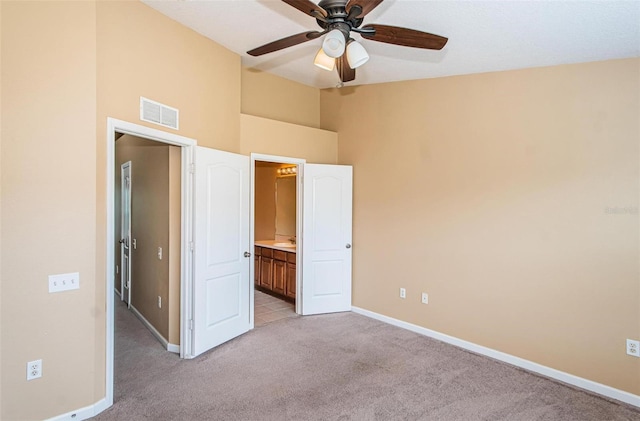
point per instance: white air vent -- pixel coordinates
(157, 113)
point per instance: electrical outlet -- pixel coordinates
(633, 348)
(159, 301)
(64, 282)
(425, 298)
(403, 293)
(159, 253)
(34, 369)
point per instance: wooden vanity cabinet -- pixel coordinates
(276, 271)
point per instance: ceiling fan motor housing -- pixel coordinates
(337, 17)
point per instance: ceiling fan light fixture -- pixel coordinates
(334, 43)
(323, 61)
(356, 54)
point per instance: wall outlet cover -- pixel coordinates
(34, 369)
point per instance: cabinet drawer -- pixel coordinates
(258, 251)
(280, 255)
(291, 258)
(266, 252)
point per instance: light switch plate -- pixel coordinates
(64, 282)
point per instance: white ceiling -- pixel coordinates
(484, 36)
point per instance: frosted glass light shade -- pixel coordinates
(356, 54)
(334, 43)
(323, 61)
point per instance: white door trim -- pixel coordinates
(125, 239)
(252, 214)
(187, 145)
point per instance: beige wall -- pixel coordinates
(151, 220)
(276, 98)
(512, 199)
(64, 64)
(48, 207)
(265, 136)
(268, 204)
(140, 52)
(143, 53)
(265, 203)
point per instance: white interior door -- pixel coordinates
(125, 233)
(326, 256)
(221, 254)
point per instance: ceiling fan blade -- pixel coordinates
(404, 36)
(284, 43)
(346, 73)
(365, 5)
(306, 6)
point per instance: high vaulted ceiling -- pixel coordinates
(484, 36)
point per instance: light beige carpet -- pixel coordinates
(334, 367)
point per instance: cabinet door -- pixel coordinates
(279, 273)
(290, 284)
(266, 272)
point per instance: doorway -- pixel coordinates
(275, 247)
(116, 128)
(147, 204)
(266, 263)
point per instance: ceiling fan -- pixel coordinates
(338, 19)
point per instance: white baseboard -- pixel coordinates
(580, 382)
(83, 413)
(169, 347)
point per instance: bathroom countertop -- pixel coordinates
(272, 245)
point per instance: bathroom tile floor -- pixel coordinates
(269, 309)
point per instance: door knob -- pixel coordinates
(348, 245)
(247, 254)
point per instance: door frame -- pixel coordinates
(186, 236)
(124, 245)
(299, 237)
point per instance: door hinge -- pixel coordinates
(192, 168)
(191, 246)
(190, 324)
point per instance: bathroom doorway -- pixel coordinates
(276, 223)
